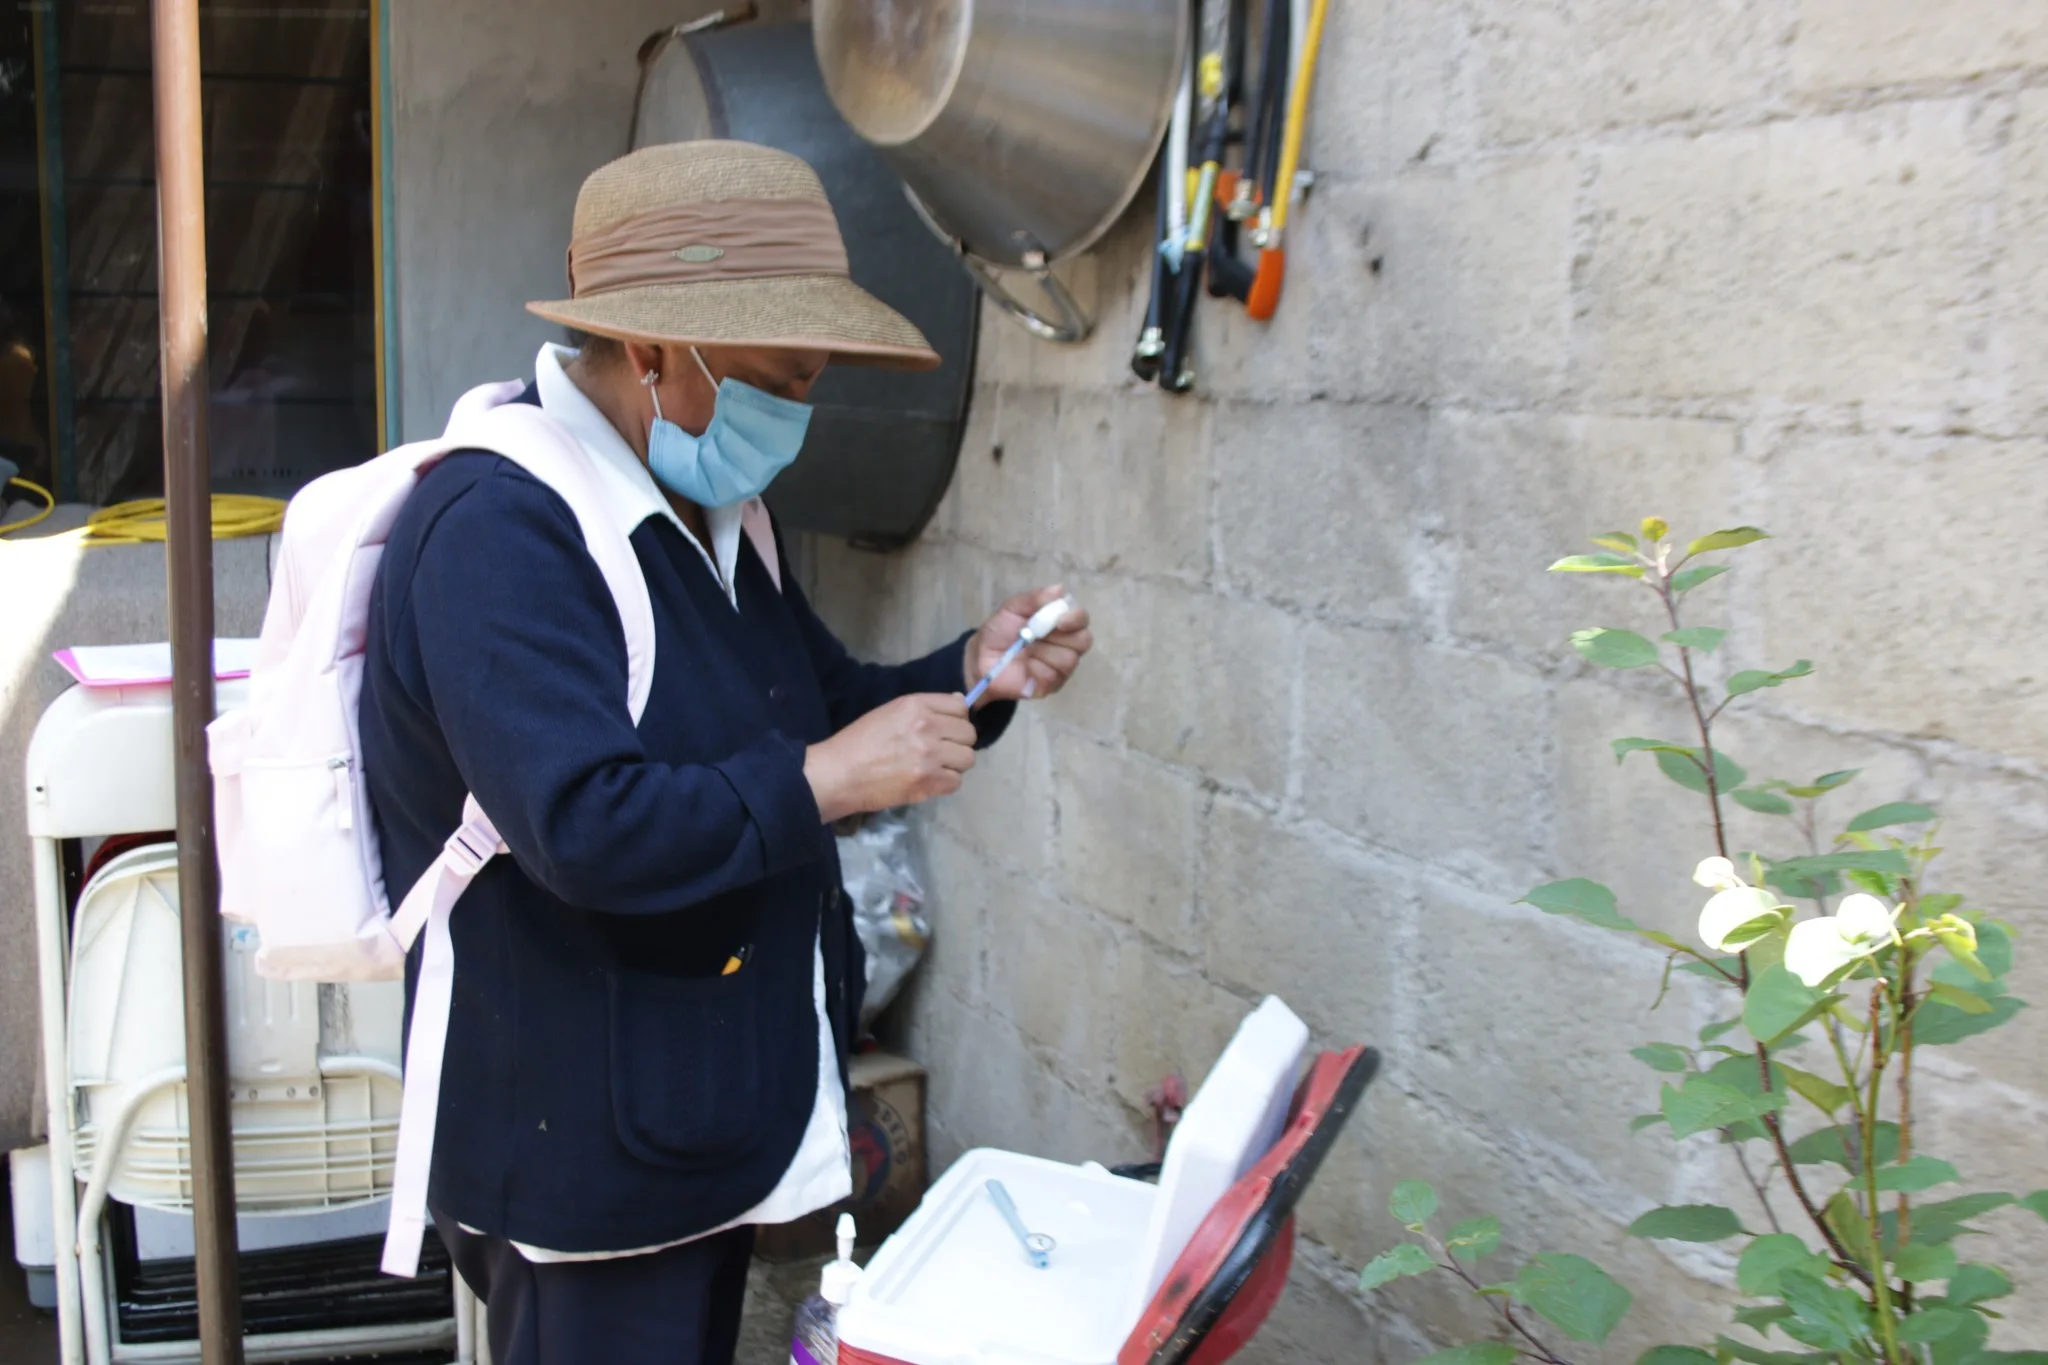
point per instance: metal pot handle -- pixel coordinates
(1073, 324)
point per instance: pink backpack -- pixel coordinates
(298, 849)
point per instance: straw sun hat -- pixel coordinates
(724, 244)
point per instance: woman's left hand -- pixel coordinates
(1043, 668)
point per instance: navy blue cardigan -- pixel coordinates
(605, 1086)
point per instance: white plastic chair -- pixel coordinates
(314, 1068)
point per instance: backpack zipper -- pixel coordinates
(344, 791)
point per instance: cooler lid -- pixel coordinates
(1237, 1115)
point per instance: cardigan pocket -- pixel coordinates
(686, 1084)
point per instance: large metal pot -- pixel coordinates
(1022, 128)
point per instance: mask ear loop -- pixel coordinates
(648, 381)
(704, 369)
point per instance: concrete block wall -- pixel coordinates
(1566, 263)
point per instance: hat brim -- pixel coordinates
(803, 312)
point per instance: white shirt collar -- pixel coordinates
(628, 490)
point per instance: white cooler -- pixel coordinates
(954, 1287)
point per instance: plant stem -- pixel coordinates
(1706, 728)
(1903, 1043)
(1507, 1310)
(1771, 1214)
(1887, 1323)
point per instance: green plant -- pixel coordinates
(1808, 1078)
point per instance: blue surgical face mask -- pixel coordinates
(753, 436)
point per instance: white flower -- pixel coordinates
(1716, 874)
(1729, 910)
(1818, 948)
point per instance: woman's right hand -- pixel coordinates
(899, 754)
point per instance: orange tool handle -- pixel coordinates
(1264, 300)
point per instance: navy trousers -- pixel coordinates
(675, 1307)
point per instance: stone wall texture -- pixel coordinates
(1567, 262)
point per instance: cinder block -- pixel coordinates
(1096, 698)
(2020, 335)
(1316, 505)
(1821, 260)
(1170, 1020)
(1477, 267)
(1307, 920)
(1126, 836)
(1005, 484)
(959, 890)
(1052, 967)
(1520, 491)
(1855, 44)
(1433, 752)
(1134, 483)
(1398, 99)
(1213, 683)
(1004, 808)
(1515, 1010)
(1909, 632)
(1562, 66)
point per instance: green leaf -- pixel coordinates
(1474, 1239)
(1834, 1145)
(1635, 744)
(1655, 529)
(1757, 1355)
(1586, 900)
(1674, 1355)
(1685, 580)
(1778, 1002)
(1822, 1315)
(1726, 540)
(1413, 1202)
(2036, 1204)
(1614, 648)
(1969, 1002)
(1662, 1057)
(1721, 1026)
(1642, 1121)
(1620, 564)
(1756, 679)
(1923, 1264)
(1994, 947)
(1689, 771)
(1932, 1324)
(1821, 1093)
(1947, 1219)
(1572, 1293)
(1702, 1105)
(1477, 1353)
(1938, 1024)
(1405, 1259)
(1977, 1283)
(1911, 1177)
(1619, 541)
(1891, 861)
(1687, 1223)
(1763, 802)
(1768, 1257)
(1762, 1317)
(1705, 639)
(1892, 813)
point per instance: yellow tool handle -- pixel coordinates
(1282, 194)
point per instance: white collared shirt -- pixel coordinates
(821, 1173)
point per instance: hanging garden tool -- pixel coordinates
(1243, 193)
(1265, 292)
(1229, 277)
(1172, 215)
(1177, 372)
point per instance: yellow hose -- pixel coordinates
(141, 522)
(49, 506)
(1297, 117)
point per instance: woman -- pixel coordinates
(655, 995)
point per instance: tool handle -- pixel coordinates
(1176, 370)
(1264, 299)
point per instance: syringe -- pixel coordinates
(1043, 622)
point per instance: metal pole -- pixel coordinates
(181, 297)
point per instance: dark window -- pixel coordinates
(291, 272)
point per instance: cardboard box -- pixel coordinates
(886, 1129)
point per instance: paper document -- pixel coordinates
(135, 665)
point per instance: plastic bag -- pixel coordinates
(878, 863)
